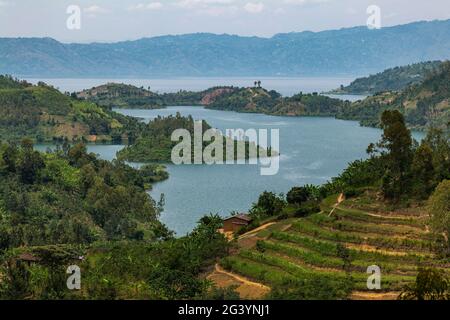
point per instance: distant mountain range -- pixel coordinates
(349, 51)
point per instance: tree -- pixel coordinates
(439, 210)
(395, 148)
(430, 284)
(423, 171)
(298, 195)
(269, 204)
(30, 164)
(440, 145)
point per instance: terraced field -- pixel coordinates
(339, 246)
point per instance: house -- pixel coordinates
(235, 223)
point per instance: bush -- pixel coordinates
(307, 209)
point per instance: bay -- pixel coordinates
(313, 150)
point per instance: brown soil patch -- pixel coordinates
(359, 295)
(246, 288)
(368, 248)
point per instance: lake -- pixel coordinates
(313, 150)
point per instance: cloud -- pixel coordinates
(202, 3)
(254, 7)
(94, 10)
(305, 2)
(146, 6)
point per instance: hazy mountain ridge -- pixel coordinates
(355, 50)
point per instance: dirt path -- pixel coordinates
(247, 289)
(356, 295)
(252, 232)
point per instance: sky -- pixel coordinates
(118, 20)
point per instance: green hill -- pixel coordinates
(424, 105)
(394, 79)
(44, 114)
(155, 141)
(117, 95)
(326, 257)
(251, 99)
(260, 100)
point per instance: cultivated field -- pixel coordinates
(357, 234)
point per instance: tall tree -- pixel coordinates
(395, 148)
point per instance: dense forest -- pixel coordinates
(394, 79)
(68, 207)
(155, 143)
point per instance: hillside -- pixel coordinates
(336, 52)
(425, 104)
(44, 114)
(70, 208)
(117, 95)
(251, 100)
(259, 100)
(318, 242)
(394, 79)
(358, 234)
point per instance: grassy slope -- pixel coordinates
(398, 244)
(44, 114)
(425, 104)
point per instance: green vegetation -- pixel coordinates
(44, 114)
(424, 105)
(259, 100)
(68, 207)
(431, 284)
(114, 95)
(421, 95)
(394, 79)
(155, 142)
(331, 242)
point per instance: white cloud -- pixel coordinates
(202, 3)
(146, 6)
(304, 2)
(254, 7)
(95, 9)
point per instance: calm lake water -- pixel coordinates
(285, 86)
(313, 150)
